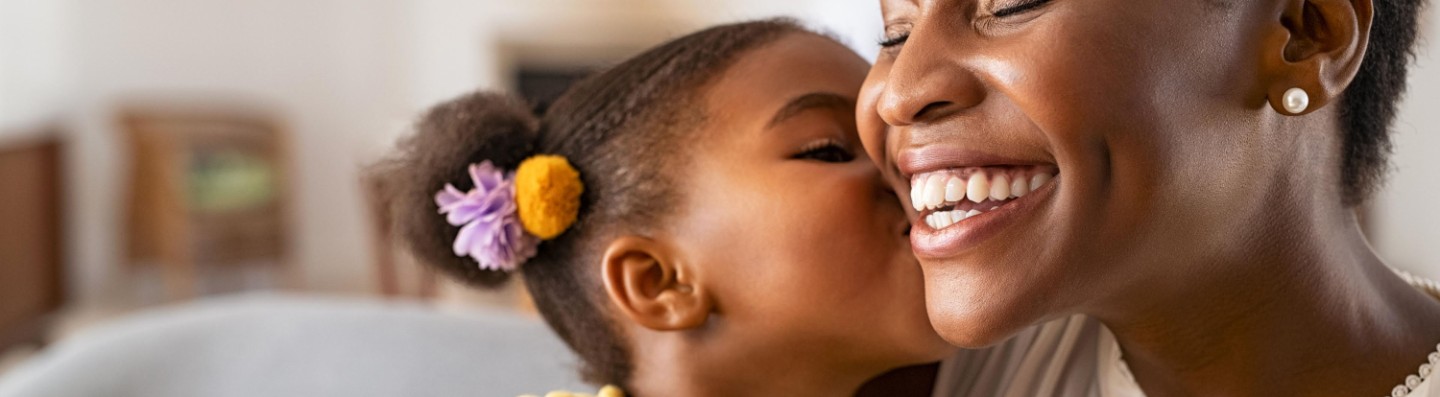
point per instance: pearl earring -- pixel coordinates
(1296, 100)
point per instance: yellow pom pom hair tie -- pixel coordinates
(504, 216)
(547, 194)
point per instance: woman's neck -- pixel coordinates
(1312, 312)
(671, 365)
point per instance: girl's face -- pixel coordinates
(1146, 122)
(801, 242)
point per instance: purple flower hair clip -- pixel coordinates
(490, 228)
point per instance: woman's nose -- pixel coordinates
(928, 81)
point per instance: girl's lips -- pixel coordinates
(957, 238)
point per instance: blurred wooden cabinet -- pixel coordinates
(31, 262)
(206, 188)
(397, 273)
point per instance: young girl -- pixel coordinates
(698, 220)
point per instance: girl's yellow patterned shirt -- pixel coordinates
(607, 391)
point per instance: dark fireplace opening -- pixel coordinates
(541, 86)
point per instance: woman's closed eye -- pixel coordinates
(1015, 8)
(828, 150)
(1019, 7)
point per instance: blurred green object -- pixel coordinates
(230, 180)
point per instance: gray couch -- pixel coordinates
(285, 345)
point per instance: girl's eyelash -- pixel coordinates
(892, 41)
(828, 150)
(821, 144)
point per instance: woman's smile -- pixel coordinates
(962, 207)
(962, 197)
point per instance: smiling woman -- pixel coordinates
(1194, 166)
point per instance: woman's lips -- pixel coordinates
(952, 220)
(934, 158)
(965, 196)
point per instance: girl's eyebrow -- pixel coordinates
(811, 101)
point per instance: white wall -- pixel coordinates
(1408, 211)
(34, 68)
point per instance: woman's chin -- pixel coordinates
(967, 336)
(970, 323)
(970, 339)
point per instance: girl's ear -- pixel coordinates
(653, 286)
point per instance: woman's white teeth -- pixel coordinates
(1019, 187)
(935, 191)
(1000, 188)
(943, 219)
(916, 189)
(979, 187)
(947, 189)
(954, 189)
(1038, 180)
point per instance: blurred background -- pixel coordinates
(156, 153)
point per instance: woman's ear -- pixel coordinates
(1325, 46)
(653, 286)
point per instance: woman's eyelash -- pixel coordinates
(1020, 8)
(1030, 5)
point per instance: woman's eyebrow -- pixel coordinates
(811, 101)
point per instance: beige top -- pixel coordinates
(1075, 356)
(1057, 358)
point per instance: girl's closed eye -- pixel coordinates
(893, 40)
(828, 150)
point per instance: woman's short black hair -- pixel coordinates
(1368, 106)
